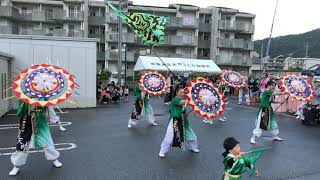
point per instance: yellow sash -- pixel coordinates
(227, 176)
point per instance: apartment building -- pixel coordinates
(222, 34)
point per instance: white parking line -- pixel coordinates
(16, 126)
(57, 146)
(58, 112)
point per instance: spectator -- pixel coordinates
(126, 93)
(105, 96)
(255, 93)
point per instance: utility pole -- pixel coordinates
(261, 56)
(307, 49)
(120, 45)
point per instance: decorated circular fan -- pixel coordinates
(205, 98)
(44, 85)
(296, 87)
(153, 83)
(233, 79)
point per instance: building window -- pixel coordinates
(204, 36)
(113, 16)
(204, 52)
(26, 12)
(188, 20)
(100, 47)
(225, 35)
(26, 29)
(225, 18)
(205, 18)
(92, 12)
(74, 30)
(74, 12)
(226, 21)
(114, 29)
(113, 47)
(96, 29)
(49, 13)
(3, 83)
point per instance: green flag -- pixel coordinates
(148, 27)
(254, 156)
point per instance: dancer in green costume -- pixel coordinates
(235, 162)
(179, 132)
(141, 107)
(266, 118)
(33, 132)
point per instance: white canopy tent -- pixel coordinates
(176, 64)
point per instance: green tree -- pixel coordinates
(295, 69)
(105, 74)
(292, 45)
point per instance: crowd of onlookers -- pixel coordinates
(111, 93)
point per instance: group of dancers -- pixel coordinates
(34, 130)
(179, 131)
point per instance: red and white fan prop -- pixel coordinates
(233, 79)
(44, 85)
(153, 83)
(205, 98)
(296, 87)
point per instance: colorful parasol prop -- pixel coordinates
(296, 87)
(205, 98)
(44, 85)
(153, 83)
(233, 79)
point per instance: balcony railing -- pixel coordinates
(99, 36)
(100, 55)
(75, 15)
(9, 12)
(126, 37)
(226, 25)
(12, 29)
(180, 22)
(75, 33)
(112, 19)
(128, 56)
(183, 40)
(204, 43)
(205, 27)
(245, 27)
(59, 32)
(39, 16)
(202, 57)
(96, 20)
(235, 43)
(59, 15)
(233, 61)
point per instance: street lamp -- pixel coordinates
(125, 64)
(122, 4)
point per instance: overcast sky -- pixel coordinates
(293, 16)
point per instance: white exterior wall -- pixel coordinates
(77, 55)
(5, 77)
(311, 62)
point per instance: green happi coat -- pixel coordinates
(177, 111)
(142, 97)
(39, 127)
(266, 112)
(235, 169)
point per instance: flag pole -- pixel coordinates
(267, 57)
